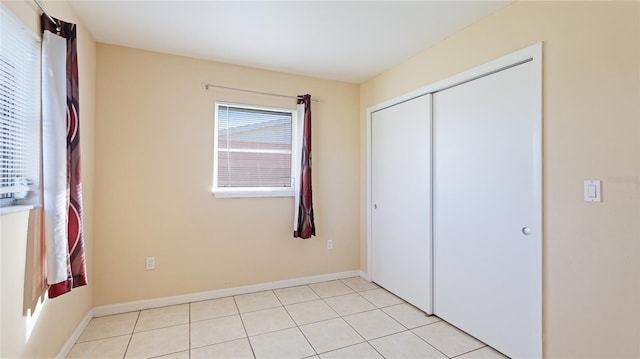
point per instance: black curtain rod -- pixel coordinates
(207, 85)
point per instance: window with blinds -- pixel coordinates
(19, 110)
(253, 151)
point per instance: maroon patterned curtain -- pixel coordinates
(76, 269)
(305, 227)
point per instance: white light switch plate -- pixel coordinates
(592, 191)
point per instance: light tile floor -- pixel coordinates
(348, 318)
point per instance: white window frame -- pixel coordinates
(26, 190)
(242, 192)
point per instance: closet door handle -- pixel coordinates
(526, 231)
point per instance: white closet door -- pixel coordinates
(401, 209)
(487, 210)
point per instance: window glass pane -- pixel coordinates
(246, 169)
(254, 147)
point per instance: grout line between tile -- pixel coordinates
(277, 298)
(376, 349)
(133, 330)
(331, 296)
(244, 327)
(102, 338)
(313, 290)
(189, 343)
(349, 324)
(302, 301)
(395, 320)
(162, 355)
(455, 356)
(222, 342)
(165, 327)
(222, 316)
(431, 345)
(302, 332)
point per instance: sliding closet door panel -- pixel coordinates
(487, 222)
(401, 210)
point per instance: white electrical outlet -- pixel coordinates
(330, 244)
(150, 263)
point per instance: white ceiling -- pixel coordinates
(340, 40)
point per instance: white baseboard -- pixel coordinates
(220, 293)
(68, 345)
(365, 276)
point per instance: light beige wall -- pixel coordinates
(591, 131)
(59, 317)
(154, 143)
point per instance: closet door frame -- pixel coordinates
(531, 54)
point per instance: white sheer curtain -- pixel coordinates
(54, 160)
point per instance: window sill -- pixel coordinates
(251, 194)
(16, 208)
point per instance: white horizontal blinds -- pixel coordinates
(254, 147)
(19, 107)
